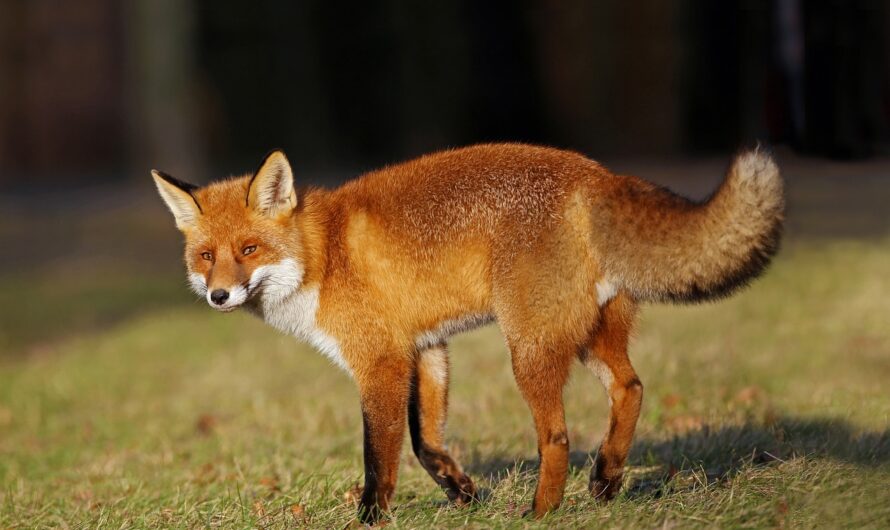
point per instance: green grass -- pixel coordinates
(768, 409)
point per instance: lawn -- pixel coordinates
(769, 409)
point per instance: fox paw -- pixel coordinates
(462, 491)
(604, 489)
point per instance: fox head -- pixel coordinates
(240, 239)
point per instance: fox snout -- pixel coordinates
(226, 298)
(219, 296)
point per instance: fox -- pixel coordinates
(560, 252)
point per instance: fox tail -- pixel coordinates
(663, 247)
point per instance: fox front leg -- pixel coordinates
(384, 390)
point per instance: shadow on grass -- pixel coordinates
(722, 453)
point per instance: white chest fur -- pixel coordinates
(291, 308)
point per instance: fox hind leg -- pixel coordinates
(427, 411)
(606, 356)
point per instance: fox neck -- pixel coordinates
(311, 227)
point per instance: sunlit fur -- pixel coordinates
(664, 247)
(379, 272)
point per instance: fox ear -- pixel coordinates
(271, 190)
(178, 196)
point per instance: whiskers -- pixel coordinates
(276, 281)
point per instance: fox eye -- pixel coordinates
(250, 249)
(207, 255)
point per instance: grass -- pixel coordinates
(768, 409)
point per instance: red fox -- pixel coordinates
(379, 272)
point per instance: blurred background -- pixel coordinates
(99, 90)
(95, 93)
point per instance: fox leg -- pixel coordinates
(384, 391)
(541, 374)
(606, 356)
(427, 410)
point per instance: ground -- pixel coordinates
(125, 403)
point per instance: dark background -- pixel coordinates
(98, 91)
(95, 93)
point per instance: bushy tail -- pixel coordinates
(663, 247)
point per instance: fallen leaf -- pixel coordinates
(87, 497)
(271, 483)
(670, 401)
(5, 416)
(684, 423)
(782, 506)
(748, 395)
(205, 474)
(258, 509)
(206, 424)
(84, 495)
(87, 432)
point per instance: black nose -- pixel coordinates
(219, 296)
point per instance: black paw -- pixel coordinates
(370, 514)
(604, 489)
(461, 490)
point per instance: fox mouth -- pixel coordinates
(238, 296)
(226, 308)
(228, 300)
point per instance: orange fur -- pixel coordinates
(557, 249)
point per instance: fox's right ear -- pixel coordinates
(178, 196)
(271, 190)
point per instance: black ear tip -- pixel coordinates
(184, 186)
(274, 151)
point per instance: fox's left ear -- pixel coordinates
(178, 196)
(271, 190)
